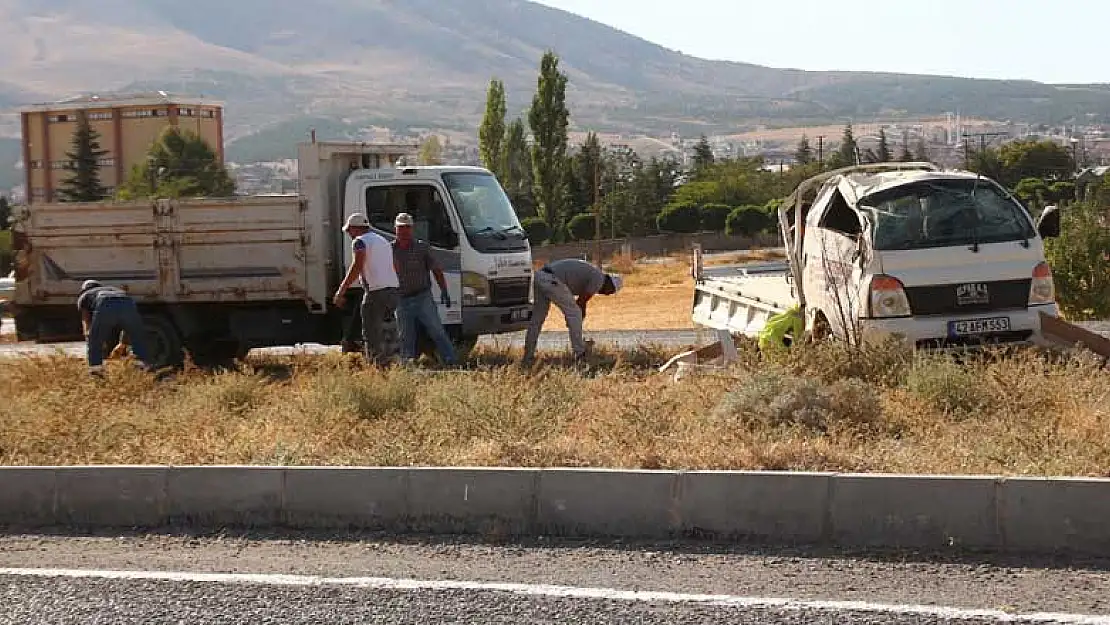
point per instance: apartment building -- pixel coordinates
(128, 124)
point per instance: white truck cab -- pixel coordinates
(474, 233)
(940, 258)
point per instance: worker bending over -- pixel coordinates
(106, 311)
(569, 284)
(372, 265)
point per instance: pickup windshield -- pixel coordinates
(945, 213)
(487, 214)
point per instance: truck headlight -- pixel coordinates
(475, 289)
(1043, 289)
(888, 298)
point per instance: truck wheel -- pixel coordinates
(463, 346)
(217, 353)
(163, 342)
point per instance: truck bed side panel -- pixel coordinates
(194, 251)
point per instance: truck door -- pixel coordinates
(433, 224)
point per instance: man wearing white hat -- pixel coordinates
(106, 311)
(372, 265)
(569, 284)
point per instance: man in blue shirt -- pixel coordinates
(105, 312)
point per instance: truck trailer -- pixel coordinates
(216, 277)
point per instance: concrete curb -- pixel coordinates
(1020, 515)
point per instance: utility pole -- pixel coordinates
(597, 210)
(982, 143)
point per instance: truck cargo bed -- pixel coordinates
(194, 251)
(741, 298)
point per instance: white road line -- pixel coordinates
(569, 592)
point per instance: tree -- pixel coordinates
(1034, 159)
(431, 151)
(748, 221)
(491, 135)
(921, 154)
(549, 119)
(683, 218)
(1080, 262)
(714, 217)
(5, 213)
(537, 230)
(846, 155)
(906, 156)
(803, 154)
(703, 156)
(883, 153)
(83, 185)
(179, 164)
(587, 168)
(516, 169)
(582, 227)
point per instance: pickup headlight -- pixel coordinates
(475, 289)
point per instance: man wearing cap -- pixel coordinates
(105, 312)
(414, 262)
(561, 282)
(372, 265)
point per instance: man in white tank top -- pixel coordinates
(372, 265)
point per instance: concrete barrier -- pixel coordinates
(779, 507)
(1020, 515)
(914, 511)
(1056, 515)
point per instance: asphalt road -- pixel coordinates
(374, 579)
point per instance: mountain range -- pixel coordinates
(346, 65)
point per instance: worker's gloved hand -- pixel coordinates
(445, 298)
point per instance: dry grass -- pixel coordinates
(656, 296)
(824, 408)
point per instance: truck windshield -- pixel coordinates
(487, 214)
(945, 213)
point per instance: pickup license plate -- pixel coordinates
(520, 314)
(971, 327)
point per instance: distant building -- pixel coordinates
(128, 125)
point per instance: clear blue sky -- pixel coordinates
(1045, 40)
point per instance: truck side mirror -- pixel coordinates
(1048, 224)
(451, 238)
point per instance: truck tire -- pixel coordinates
(217, 353)
(163, 341)
(463, 346)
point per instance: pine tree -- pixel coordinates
(906, 156)
(84, 164)
(492, 132)
(847, 152)
(883, 154)
(921, 154)
(804, 152)
(5, 213)
(703, 156)
(549, 119)
(179, 164)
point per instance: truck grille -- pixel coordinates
(510, 291)
(975, 297)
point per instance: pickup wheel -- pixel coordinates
(163, 342)
(822, 330)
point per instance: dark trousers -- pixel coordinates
(376, 306)
(109, 318)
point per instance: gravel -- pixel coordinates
(92, 602)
